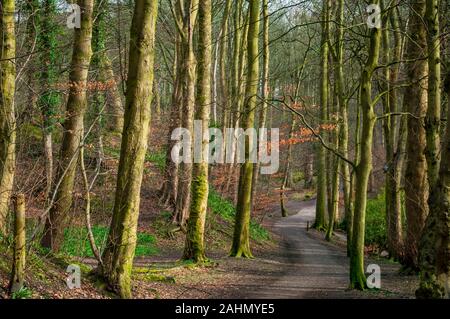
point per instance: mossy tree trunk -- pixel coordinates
(18, 268)
(321, 205)
(195, 247)
(416, 184)
(7, 116)
(364, 167)
(120, 247)
(433, 118)
(169, 189)
(188, 79)
(49, 99)
(343, 115)
(434, 259)
(394, 147)
(112, 119)
(265, 87)
(73, 128)
(241, 237)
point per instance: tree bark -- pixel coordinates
(241, 237)
(7, 113)
(364, 166)
(434, 260)
(120, 247)
(73, 128)
(19, 257)
(321, 205)
(416, 184)
(195, 247)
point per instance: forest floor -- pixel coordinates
(296, 263)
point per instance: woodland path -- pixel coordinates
(313, 268)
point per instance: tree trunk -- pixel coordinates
(241, 237)
(433, 118)
(416, 185)
(195, 248)
(434, 258)
(120, 247)
(321, 205)
(187, 122)
(364, 167)
(19, 258)
(7, 116)
(265, 90)
(169, 190)
(395, 155)
(343, 114)
(73, 128)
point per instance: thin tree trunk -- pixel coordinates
(265, 90)
(19, 257)
(73, 128)
(195, 247)
(7, 116)
(120, 247)
(364, 167)
(241, 237)
(187, 122)
(321, 205)
(433, 118)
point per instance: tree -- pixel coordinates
(49, 99)
(364, 166)
(434, 259)
(265, 86)
(187, 19)
(195, 247)
(73, 128)
(7, 113)
(433, 118)
(241, 237)
(121, 243)
(321, 152)
(416, 184)
(394, 147)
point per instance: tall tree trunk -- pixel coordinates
(49, 99)
(7, 116)
(169, 190)
(73, 128)
(434, 260)
(195, 247)
(224, 98)
(120, 247)
(321, 205)
(395, 155)
(416, 185)
(364, 167)
(265, 89)
(187, 122)
(433, 118)
(241, 237)
(343, 114)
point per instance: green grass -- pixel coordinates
(76, 242)
(227, 211)
(157, 158)
(376, 221)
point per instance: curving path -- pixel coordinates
(313, 269)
